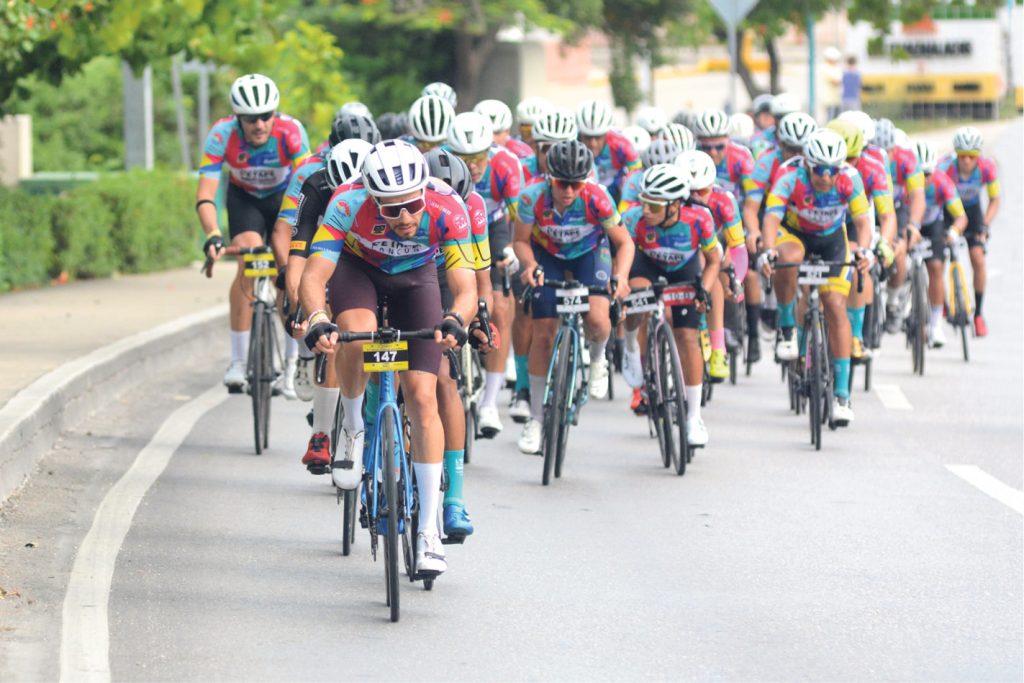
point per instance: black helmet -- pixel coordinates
(570, 160)
(354, 126)
(451, 169)
(391, 125)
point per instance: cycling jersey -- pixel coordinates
(323, 148)
(260, 171)
(904, 174)
(352, 224)
(876, 153)
(970, 187)
(617, 159)
(312, 202)
(802, 209)
(578, 230)
(478, 234)
(673, 247)
(766, 172)
(736, 170)
(519, 148)
(726, 212)
(763, 141)
(501, 184)
(875, 178)
(631, 191)
(290, 203)
(940, 193)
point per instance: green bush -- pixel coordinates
(26, 236)
(82, 231)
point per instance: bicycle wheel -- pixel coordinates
(673, 402)
(652, 388)
(269, 374)
(255, 373)
(816, 379)
(572, 396)
(609, 355)
(391, 503)
(920, 312)
(962, 318)
(467, 392)
(554, 406)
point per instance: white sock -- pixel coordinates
(894, 293)
(495, 381)
(597, 349)
(239, 345)
(936, 316)
(304, 352)
(633, 340)
(325, 402)
(353, 422)
(693, 401)
(291, 349)
(428, 485)
(537, 383)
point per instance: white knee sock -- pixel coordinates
(597, 349)
(325, 402)
(633, 340)
(291, 348)
(492, 387)
(428, 485)
(353, 422)
(936, 316)
(239, 346)
(693, 401)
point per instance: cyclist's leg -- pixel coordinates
(594, 269)
(246, 229)
(791, 249)
(899, 247)
(936, 232)
(685, 321)
(522, 331)
(834, 301)
(544, 326)
(973, 234)
(856, 302)
(719, 370)
(502, 314)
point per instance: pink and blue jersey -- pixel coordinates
(673, 247)
(261, 171)
(940, 193)
(290, 203)
(762, 141)
(617, 159)
(631, 191)
(735, 171)
(970, 187)
(501, 184)
(578, 230)
(802, 209)
(353, 224)
(903, 173)
(726, 212)
(763, 176)
(875, 179)
(519, 148)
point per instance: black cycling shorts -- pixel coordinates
(247, 213)
(902, 218)
(975, 225)
(936, 233)
(499, 236)
(643, 266)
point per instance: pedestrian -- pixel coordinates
(851, 85)
(832, 75)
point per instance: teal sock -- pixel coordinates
(841, 369)
(786, 317)
(801, 341)
(522, 373)
(856, 316)
(453, 468)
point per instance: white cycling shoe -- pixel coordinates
(696, 432)
(347, 471)
(286, 383)
(519, 411)
(234, 378)
(786, 349)
(490, 422)
(599, 378)
(842, 411)
(937, 338)
(430, 554)
(529, 441)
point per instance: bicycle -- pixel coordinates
(916, 323)
(736, 328)
(960, 307)
(874, 321)
(663, 371)
(471, 386)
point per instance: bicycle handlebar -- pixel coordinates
(207, 268)
(386, 335)
(815, 262)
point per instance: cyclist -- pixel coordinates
(392, 125)
(430, 118)
(527, 113)
(639, 138)
(499, 179)
(761, 111)
(261, 149)
(778, 106)
(806, 215)
(562, 223)
(792, 134)
(867, 129)
(380, 236)
(660, 151)
(941, 197)
(554, 125)
(970, 171)
(442, 90)
(701, 174)
(501, 125)
(875, 178)
(614, 156)
(680, 135)
(741, 129)
(651, 119)
(668, 230)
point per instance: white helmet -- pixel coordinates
(640, 138)
(555, 125)
(783, 104)
(651, 119)
(885, 134)
(712, 123)
(442, 90)
(393, 168)
(430, 117)
(902, 139)
(660, 151)
(531, 109)
(345, 160)
(357, 108)
(470, 133)
(794, 129)
(594, 117)
(700, 168)
(862, 121)
(665, 181)
(254, 94)
(925, 153)
(498, 112)
(967, 139)
(825, 146)
(680, 135)
(741, 126)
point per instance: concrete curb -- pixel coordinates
(33, 420)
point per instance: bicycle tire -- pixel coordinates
(470, 419)
(391, 500)
(920, 307)
(652, 382)
(552, 409)
(572, 397)
(609, 355)
(254, 373)
(269, 375)
(466, 393)
(961, 308)
(674, 400)
(816, 380)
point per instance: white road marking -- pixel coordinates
(1005, 494)
(85, 636)
(892, 397)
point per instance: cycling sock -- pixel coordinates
(325, 402)
(428, 485)
(305, 353)
(841, 369)
(801, 341)
(718, 340)
(291, 348)
(453, 468)
(894, 296)
(786, 317)
(522, 373)
(936, 316)
(693, 401)
(353, 421)
(856, 316)
(239, 345)
(493, 384)
(978, 297)
(597, 349)
(633, 340)
(753, 318)
(537, 383)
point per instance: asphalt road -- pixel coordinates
(870, 559)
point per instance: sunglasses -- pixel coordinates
(525, 128)
(969, 153)
(652, 206)
(825, 171)
(591, 138)
(478, 158)
(253, 118)
(562, 184)
(713, 148)
(413, 206)
(426, 146)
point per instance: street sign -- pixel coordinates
(733, 11)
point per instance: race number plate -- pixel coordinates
(680, 295)
(379, 357)
(259, 265)
(641, 301)
(575, 300)
(813, 274)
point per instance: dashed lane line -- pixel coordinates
(892, 397)
(979, 478)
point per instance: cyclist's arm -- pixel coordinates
(771, 231)
(624, 250)
(915, 197)
(521, 245)
(888, 226)
(462, 282)
(280, 239)
(992, 210)
(712, 266)
(862, 224)
(207, 212)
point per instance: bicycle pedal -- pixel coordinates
(236, 389)
(454, 539)
(426, 576)
(317, 468)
